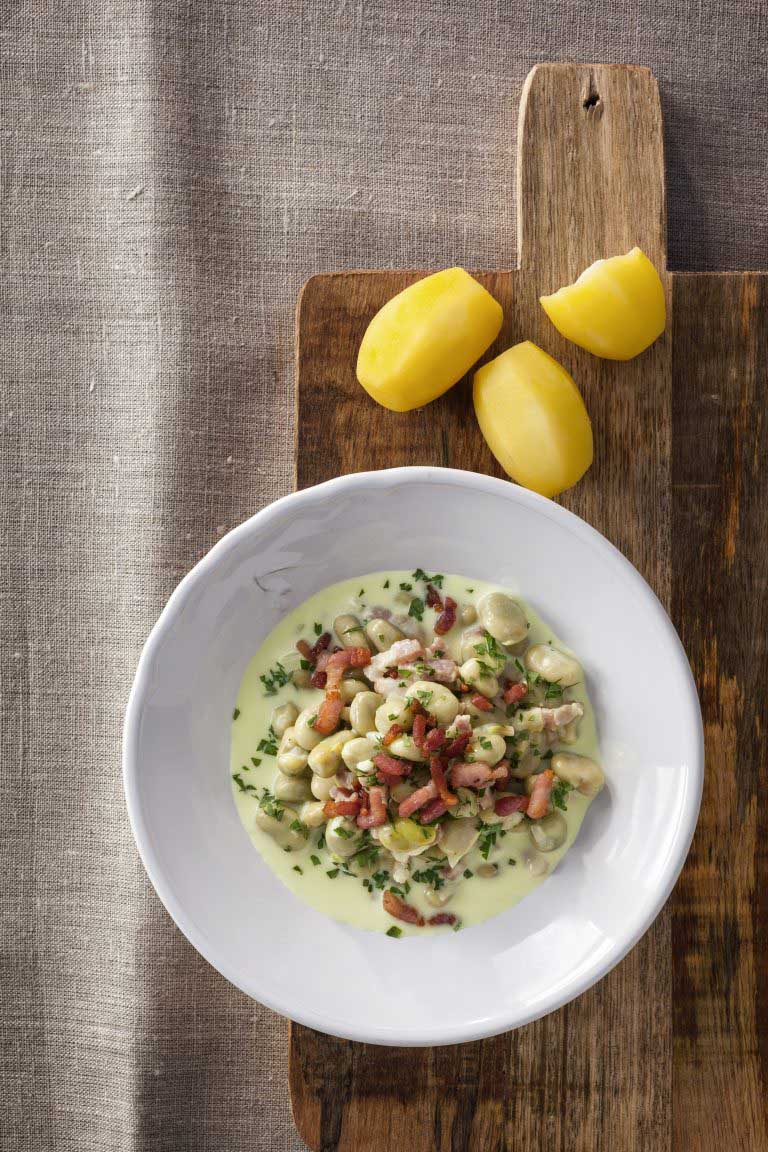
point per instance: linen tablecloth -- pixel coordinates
(171, 173)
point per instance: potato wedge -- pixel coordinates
(426, 338)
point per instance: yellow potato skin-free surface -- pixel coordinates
(533, 418)
(615, 309)
(424, 339)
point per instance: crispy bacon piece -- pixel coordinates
(506, 804)
(400, 910)
(432, 810)
(345, 658)
(442, 918)
(481, 703)
(501, 773)
(447, 619)
(513, 693)
(417, 799)
(318, 679)
(342, 806)
(419, 732)
(391, 734)
(389, 769)
(433, 599)
(477, 775)
(376, 813)
(401, 652)
(304, 648)
(539, 798)
(435, 739)
(437, 768)
(458, 746)
(329, 714)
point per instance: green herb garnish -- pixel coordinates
(386, 583)
(554, 691)
(487, 841)
(315, 860)
(406, 587)
(432, 876)
(268, 745)
(467, 874)
(297, 869)
(332, 874)
(275, 678)
(242, 785)
(255, 761)
(318, 628)
(437, 579)
(271, 806)
(559, 793)
(236, 713)
(416, 609)
(394, 931)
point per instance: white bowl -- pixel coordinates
(522, 963)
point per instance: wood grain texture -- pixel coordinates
(720, 606)
(599, 1074)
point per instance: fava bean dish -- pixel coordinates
(413, 752)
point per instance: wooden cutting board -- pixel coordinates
(670, 1050)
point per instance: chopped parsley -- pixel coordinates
(242, 785)
(318, 628)
(432, 876)
(559, 793)
(255, 761)
(424, 697)
(332, 873)
(394, 932)
(275, 678)
(271, 806)
(321, 841)
(511, 861)
(299, 870)
(487, 840)
(367, 855)
(311, 721)
(236, 713)
(416, 609)
(470, 589)
(361, 593)
(406, 587)
(554, 691)
(297, 826)
(485, 744)
(379, 879)
(467, 874)
(315, 859)
(268, 745)
(437, 579)
(345, 833)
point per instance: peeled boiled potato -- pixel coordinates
(534, 419)
(615, 309)
(424, 339)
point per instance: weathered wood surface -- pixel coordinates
(669, 1051)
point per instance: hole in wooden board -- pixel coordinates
(592, 100)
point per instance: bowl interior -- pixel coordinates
(533, 957)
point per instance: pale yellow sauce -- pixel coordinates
(344, 897)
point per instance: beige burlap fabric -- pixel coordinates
(170, 175)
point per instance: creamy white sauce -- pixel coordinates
(344, 898)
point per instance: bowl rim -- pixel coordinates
(687, 817)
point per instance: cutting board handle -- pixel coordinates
(601, 125)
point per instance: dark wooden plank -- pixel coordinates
(597, 1074)
(720, 605)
